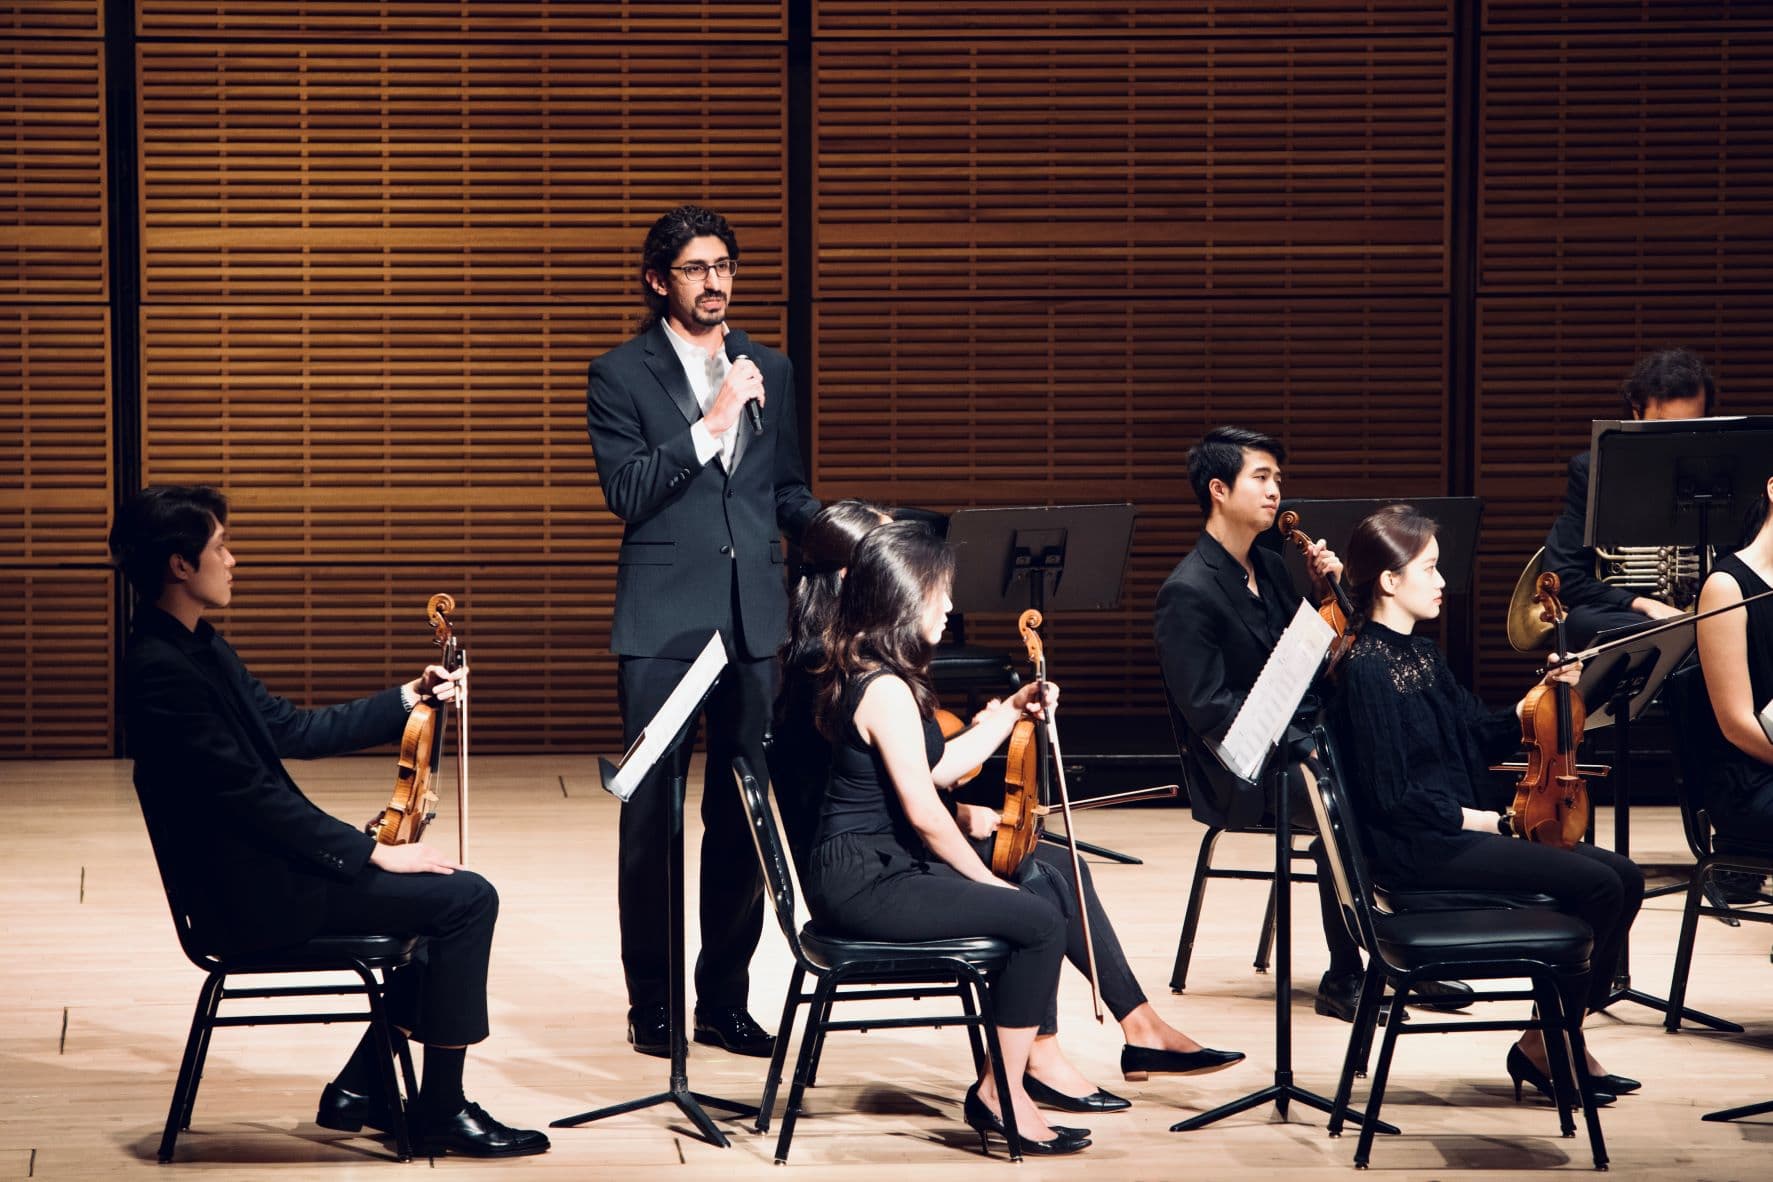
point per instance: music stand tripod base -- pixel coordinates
(692, 1104)
(1283, 1090)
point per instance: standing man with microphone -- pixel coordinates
(698, 452)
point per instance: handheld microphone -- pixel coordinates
(736, 344)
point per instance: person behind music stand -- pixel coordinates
(800, 764)
(1736, 656)
(1672, 384)
(1416, 745)
(1219, 614)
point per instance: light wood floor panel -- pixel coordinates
(98, 998)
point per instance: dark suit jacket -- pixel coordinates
(1212, 640)
(251, 854)
(685, 524)
(1570, 560)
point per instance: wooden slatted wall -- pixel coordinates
(1044, 266)
(380, 244)
(1626, 204)
(55, 436)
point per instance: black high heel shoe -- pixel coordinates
(1521, 1070)
(985, 1122)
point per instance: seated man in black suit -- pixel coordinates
(1219, 615)
(1672, 384)
(266, 866)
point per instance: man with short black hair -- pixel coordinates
(265, 867)
(698, 454)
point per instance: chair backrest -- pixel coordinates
(1203, 801)
(1339, 829)
(772, 856)
(178, 895)
(1695, 737)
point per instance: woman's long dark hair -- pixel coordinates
(892, 574)
(825, 549)
(1385, 540)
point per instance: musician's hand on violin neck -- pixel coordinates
(437, 684)
(412, 858)
(1568, 674)
(1321, 562)
(1027, 700)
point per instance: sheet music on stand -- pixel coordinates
(663, 728)
(1275, 697)
(1766, 717)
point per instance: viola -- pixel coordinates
(1335, 608)
(413, 805)
(1551, 797)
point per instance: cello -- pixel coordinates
(1551, 798)
(413, 805)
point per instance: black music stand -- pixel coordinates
(1283, 1090)
(1678, 481)
(677, 1090)
(1049, 558)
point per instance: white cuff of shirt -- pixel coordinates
(408, 699)
(707, 446)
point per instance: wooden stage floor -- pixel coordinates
(98, 998)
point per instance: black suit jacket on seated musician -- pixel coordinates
(693, 533)
(209, 740)
(1213, 637)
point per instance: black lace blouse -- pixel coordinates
(1414, 746)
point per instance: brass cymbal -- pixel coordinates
(1528, 630)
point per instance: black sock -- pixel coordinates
(440, 1090)
(361, 1073)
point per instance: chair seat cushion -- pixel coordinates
(829, 952)
(324, 952)
(1400, 902)
(1412, 940)
(1741, 848)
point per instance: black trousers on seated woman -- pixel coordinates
(1601, 888)
(1047, 872)
(869, 886)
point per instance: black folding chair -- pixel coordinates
(863, 970)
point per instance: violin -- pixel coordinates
(1551, 798)
(413, 805)
(1334, 608)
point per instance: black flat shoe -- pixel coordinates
(649, 1031)
(1521, 1070)
(1444, 997)
(1096, 1101)
(349, 1112)
(1619, 1085)
(473, 1132)
(735, 1030)
(985, 1122)
(1138, 1062)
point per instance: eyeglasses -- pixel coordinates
(696, 272)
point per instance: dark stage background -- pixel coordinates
(350, 259)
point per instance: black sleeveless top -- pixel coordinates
(1736, 775)
(859, 798)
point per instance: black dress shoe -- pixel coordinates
(473, 1132)
(1338, 994)
(1096, 1101)
(1441, 996)
(1619, 1085)
(348, 1111)
(1138, 1062)
(731, 1027)
(985, 1122)
(649, 1030)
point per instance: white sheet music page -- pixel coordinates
(662, 728)
(1279, 689)
(1767, 719)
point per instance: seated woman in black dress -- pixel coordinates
(888, 861)
(800, 762)
(1736, 654)
(1416, 745)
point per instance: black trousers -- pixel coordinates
(736, 716)
(1597, 886)
(870, 887)
(1047, 873)
(441, 995)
